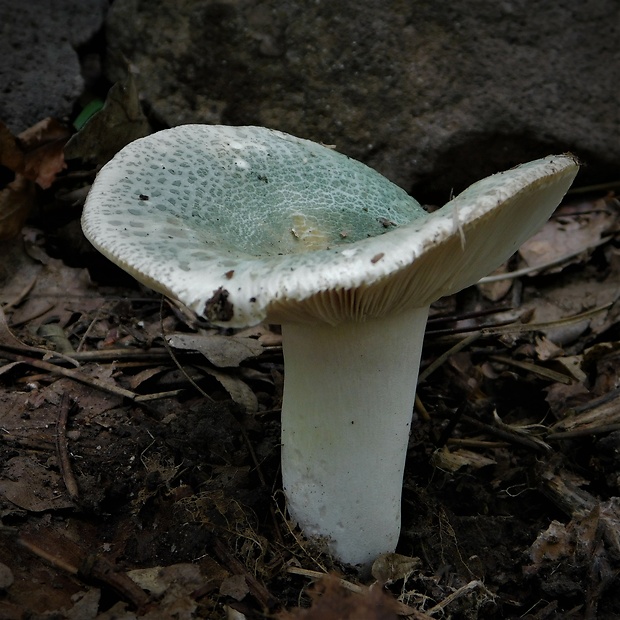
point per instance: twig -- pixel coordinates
(297, 537)
(315, 574)
(444, 356)
(71, 374)
(421, 409)
(62, 450)
(595, 402)
(259, 591)
(477, 443)
(505, 434)
(535, 268)
(145, 398)
(468, 587)
(450, 316)
(9, 341)
(66, 555)
(155, 354)
(90, 326)
(598, 416)
(564, 491)
(583, 432)
(515, 328)
(534, 368)
(174, 357)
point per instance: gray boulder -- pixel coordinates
(40, 72)
(432, 94)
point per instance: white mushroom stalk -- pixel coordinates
(348, 402)
(246, 224)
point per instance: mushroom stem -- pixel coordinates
(348, 401)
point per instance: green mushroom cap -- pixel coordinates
(244, 224)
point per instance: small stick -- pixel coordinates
(315, 574)
(583, 432)
(237, 568)
(444, 356)
(173, 355)
(70, 557)
(145, 398)
(546, 373)
(468, 587)
(61, 447)
(504, 434)
(510, 275)
(72, 374)
(155, 354)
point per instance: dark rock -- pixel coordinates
(39, 67)
(433, 95)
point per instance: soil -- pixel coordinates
(143, 481)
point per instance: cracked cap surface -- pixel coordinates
(245, 224)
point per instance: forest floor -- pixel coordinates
(142, 480)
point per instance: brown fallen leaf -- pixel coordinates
(572, 230)
(18, 195)
(453, 460)
(39, 288)
(235, 586)
(496, 289)
(43, 145)
(221, 351)
(16, 202)
(75, 559)
(11, 156)
(238, 390)
(118, 123)
(173, 586)
(391, 567)
(33, 487)
(35, 157)
(331, 601)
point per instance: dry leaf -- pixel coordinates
(31, 486)
(43, 145)
(238, 390)
(391, 567)
(221, 351)
(235, 586)
(453, 460)
(16, 201)
(554, 543)
(119, 122)
(331, 601)
(11, 156)
(144, 375)
(571, 365)
(159, 579)
(34, 157)
(40, 292)
(18, 196)
(572, 230)
(546, 349)
(498, 289)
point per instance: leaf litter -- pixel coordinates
(140, 446)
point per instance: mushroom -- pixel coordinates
(247, 224)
